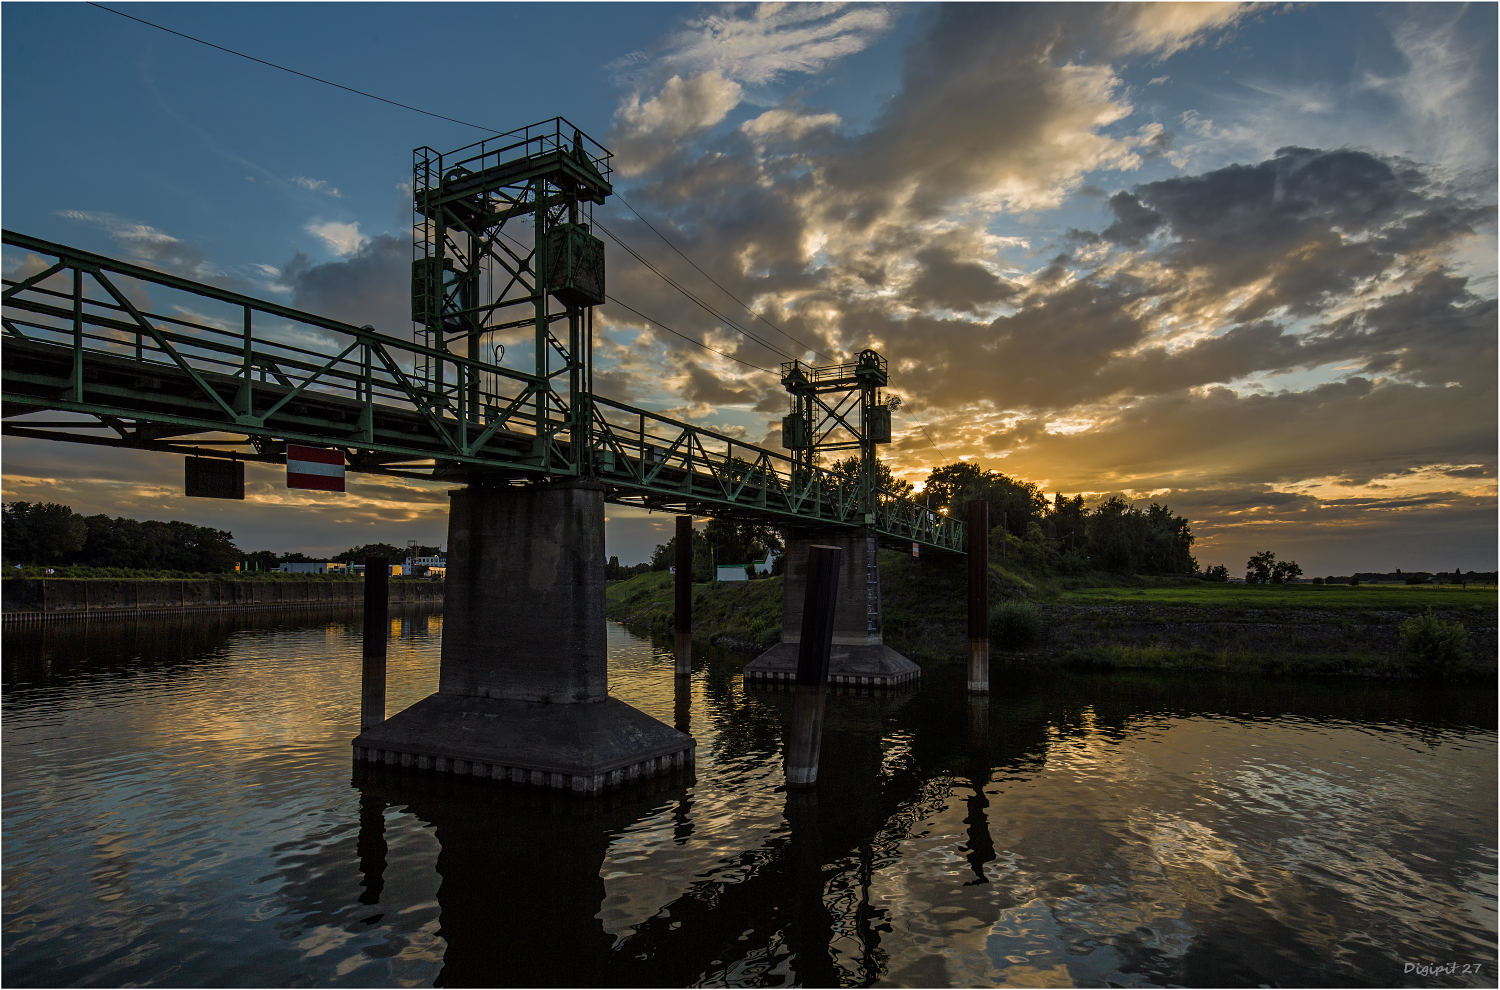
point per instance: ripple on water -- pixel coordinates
(178, 809)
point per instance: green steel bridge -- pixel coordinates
(137, 358)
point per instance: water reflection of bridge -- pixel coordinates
(522, 893)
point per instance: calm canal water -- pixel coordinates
(179, 810)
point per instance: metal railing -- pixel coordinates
(155, 357)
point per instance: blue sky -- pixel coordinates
(1073, 228)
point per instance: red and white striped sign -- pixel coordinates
(317, 468)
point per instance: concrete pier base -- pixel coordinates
(860, 658)
(523, 690)
(585, 749)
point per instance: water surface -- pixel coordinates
(179, 809)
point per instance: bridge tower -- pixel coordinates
(839, 408)
(506, 270)
(505, 261)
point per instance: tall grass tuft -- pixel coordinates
(1434, 647)
(1015, 624)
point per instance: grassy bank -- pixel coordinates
(743, 615)
(1146, 624)
(1379, 597)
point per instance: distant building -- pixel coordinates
(739, 572)
(425, 565)
(320, 568)
(396, 569)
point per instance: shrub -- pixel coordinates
(1218, 573)
(1354, 582)
(1015, 624)
(1434, 647)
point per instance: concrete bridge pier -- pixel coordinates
(860, 657)
(523, 690)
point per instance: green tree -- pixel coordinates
(1285, 572)
(357, 555)
(886, 482)
(261, 560)
(664, 557)
(1259, 567)
(41, 532)
(1013, 504)
(1065, 522)
(740, 541)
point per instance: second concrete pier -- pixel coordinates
(860, 657)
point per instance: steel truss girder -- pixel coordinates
(157, 379)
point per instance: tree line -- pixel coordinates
(52, 535)
(1057, 535)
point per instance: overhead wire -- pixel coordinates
(676, 285)
(940, 450)
(715, 281)
(304, 75)
(633, 253)
(652, 321)
(684, 336)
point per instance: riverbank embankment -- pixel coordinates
(42, 599)
(1353, 631)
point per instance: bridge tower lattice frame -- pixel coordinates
(823, 420)
(503, 251)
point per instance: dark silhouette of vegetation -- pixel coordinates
(1264, 568)
(41, 532)
(1013, 504)
(722, 541)
(1125, 540)
(357, 555)
(886, 482)
(54, 535)
(1218, 573)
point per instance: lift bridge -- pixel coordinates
(493, 390)
(494, 385)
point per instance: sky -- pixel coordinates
(1236, 259)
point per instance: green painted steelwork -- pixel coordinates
(823, 419)
(123, 356)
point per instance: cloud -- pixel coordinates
(1163, 29)
(787, 125)
(341, 238)
(1442, 53)
(371, 286)
(758, 44)
(142, 242)
(644, 130)
(317, 186)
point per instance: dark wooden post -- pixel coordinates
(979, 596)
(377, 629)
(683, 620)
(806, 735)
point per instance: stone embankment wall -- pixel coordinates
(1243, 630)
(33, 598)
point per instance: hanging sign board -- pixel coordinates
(213, 477)
(317, 468)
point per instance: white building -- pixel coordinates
(736, 572)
